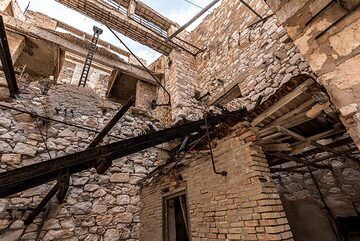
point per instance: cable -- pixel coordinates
(58, 121)
(44, 139)
(194, 4)
(152, 75)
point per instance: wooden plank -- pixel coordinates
(276, 147)
(287, 99)
(301, 108)
(314, 143)
(317, 109)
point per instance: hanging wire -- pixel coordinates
(152, 75)
(194, 4)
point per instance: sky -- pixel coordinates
(179, 11)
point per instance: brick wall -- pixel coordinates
(244, 205)
(145, 94)
(181, 83)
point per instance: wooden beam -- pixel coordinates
(294, 159)
(314, 143)
(285, 100)
(275, 147)
(283, 119)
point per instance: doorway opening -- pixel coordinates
(175, 217)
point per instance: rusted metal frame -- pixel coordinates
(160, 170)
(314, 143)
(62, 185)
(182, 28)
(42, 204)
(6, 61)
(172, 42)
(147, 70)
(24, 178)
(223, 173)
(252, 10)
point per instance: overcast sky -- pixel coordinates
(179, 11)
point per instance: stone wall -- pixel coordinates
(241, 49)
(98, 78)
(331, 47)
(238, 49)
(244, 205)
(97, 207)
(339, 186)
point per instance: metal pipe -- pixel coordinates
(192, 20)
(223, 173)
(152, 75)
(251, 9)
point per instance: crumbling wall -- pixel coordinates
(244, 205)
(241, 49)
(181, 82)
(330, 41)
(12, 8)
(97, 207)
(98, 79)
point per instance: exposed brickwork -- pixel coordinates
(244, 205)
(145, 94)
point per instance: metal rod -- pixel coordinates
(42, 204)
(112, 123)
(132, 53)
(327, 209)
(223, 173)
(65, 180)
(6, 61)
(204, 10)
(252, 10)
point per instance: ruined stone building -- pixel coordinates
(246, 128)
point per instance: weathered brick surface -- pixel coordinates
(244, 205)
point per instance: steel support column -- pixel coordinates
(6, 61)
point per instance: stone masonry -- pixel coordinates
(97, 206)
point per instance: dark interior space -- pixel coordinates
(176, 219)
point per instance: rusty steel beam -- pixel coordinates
(6, 61)
(63, 182)
(27, 177)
